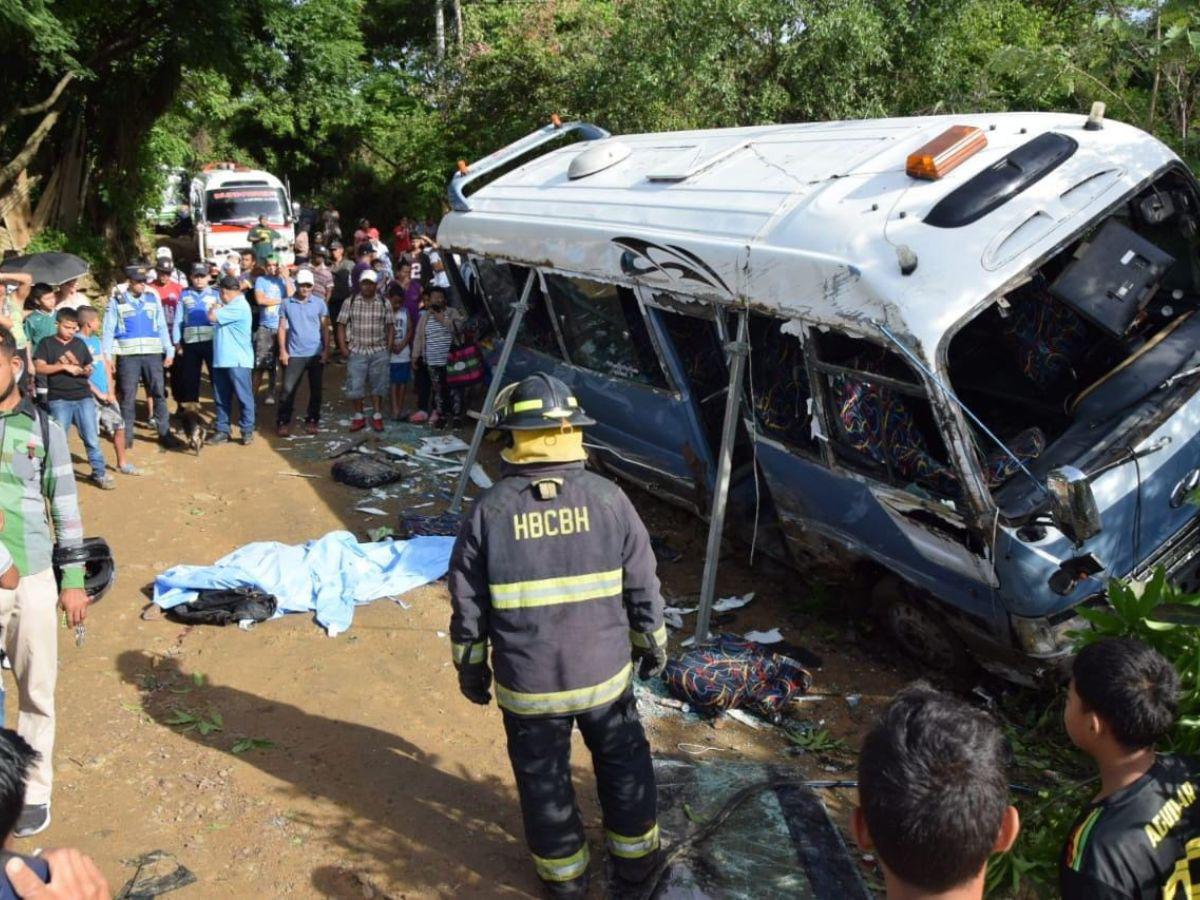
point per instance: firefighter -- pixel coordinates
(554, 570)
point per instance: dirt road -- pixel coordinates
(373, 777)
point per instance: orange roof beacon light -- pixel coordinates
(462, 167)
(946, 152)
(555, 120)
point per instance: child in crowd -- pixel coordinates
(1137, 838)
(436, 332)
(933, 796)
(401, 358)
(66, 363)
(104, 388)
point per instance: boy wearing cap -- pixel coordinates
(365, 334)
(233, 359)
(304, 342)
(269, 290)
(135, 332)
(167, 288)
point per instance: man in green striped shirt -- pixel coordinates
(30, 475)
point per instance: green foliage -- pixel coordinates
(245, 745)
(84, 244)
(186, 720)
(815, 740)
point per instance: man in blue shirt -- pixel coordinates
(304, 342)
(269, 290)
(192, 335)
(233, 358)
(135, 333)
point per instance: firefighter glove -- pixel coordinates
(474, 681)
(651, 661)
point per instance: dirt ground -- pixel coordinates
(379, 779)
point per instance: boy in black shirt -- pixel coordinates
(933, 796)
(66, 363)
(1138, 838)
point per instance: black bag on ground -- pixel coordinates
(362, 471)
(225, 607)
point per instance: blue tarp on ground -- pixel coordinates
(328, 576)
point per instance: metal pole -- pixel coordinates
(716, 522)
(510, 339)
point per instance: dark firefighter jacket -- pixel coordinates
(554, 568)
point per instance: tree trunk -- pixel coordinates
(458, 26)
(439, 26)
(1157, 68)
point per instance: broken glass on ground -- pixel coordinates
(745, 830)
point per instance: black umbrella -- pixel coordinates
(50, 268)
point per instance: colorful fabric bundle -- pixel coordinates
(727, 672)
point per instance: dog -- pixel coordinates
(194, 428)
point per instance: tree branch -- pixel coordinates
(48, 102)
(10, 171)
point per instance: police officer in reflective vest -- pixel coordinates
(135, 332)
(554, 570)
(192, 335)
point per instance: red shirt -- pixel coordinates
(403, 240)
(169, 295)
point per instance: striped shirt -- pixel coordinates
(25, 481)
(367, 323)
(437, 341)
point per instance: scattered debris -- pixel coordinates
(383, 531)
(480, 477)
(297, 475)
(157, 873)
(370, 510)
(744, 718)
(440, 445)
(725, 604)
(365, 471)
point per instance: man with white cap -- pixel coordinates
(365, 328)
(163, 253)
(304, 343)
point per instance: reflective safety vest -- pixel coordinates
(193, 314)
(554, 570)
(139, 324)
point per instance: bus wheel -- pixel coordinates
(913, 624)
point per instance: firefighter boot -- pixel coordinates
(575, 889)
(635, 871)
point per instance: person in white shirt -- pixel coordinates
(401, 355)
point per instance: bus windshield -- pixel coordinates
(245, 204)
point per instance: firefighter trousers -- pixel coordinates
(540, 752)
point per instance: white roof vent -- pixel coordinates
(596, 158)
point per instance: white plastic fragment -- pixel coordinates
(370, 510)
(725, 604)
(764, 637)
(745, 718)
(480, 477)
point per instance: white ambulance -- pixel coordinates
(226, 201)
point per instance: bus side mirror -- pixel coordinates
(1072, 504)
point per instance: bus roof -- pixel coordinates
(806, 220)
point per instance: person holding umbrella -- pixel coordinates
(135, 332)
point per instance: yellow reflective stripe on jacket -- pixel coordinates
(633, 847)
(563, 702)
(657, 638)
(549, 591)
(194, 334)
(469, 653)
(566, 869)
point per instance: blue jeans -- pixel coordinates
(81, 414)
(227, 383)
